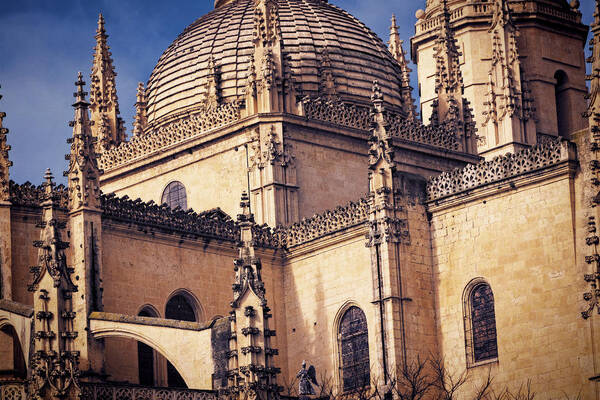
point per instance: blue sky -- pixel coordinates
(43, 43)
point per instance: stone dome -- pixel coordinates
(309, 29)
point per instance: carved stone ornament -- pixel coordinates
(5, 163)
(83, 172)
(181, 128)
(500, 168)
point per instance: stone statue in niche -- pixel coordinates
(307, 377)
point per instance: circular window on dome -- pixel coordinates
(174, 195)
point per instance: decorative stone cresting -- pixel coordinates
(171, 133)
(213, 223)
(30, 195)
(501, 167)
(337, 112)
(342, 217)
(414, 131)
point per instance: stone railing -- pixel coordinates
(108, 391)
(12, 390)
(30, 195)
(497, 169)
(474, 10)
(337, 112)
(170, 133)
(328, 222)
(414, 131)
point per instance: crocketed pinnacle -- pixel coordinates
(395, 47)
(448, 75)
(108, 126)
(83, 173)
(141, 115)
(5, 163)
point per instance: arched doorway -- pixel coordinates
(12, 360)
(183, 307)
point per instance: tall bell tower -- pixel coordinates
(522, 64)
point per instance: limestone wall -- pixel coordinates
(319, 283)
(522, 241)
(213, 177)
(145, 268)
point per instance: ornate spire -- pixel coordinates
(327, 80)
(450, 106)
(141, 115)
(247, 266)
(252, 371)
(108, 127)
(83, 172)
(212, 95)
(5, 163)
(395, 47)
(265, 81)
(55, 361)
(380, 142)
(508, 114)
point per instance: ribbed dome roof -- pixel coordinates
(308, 28)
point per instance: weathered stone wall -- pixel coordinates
(145, 267)
(213, 177)
(320, 281)
(522, 241)
(24, 255)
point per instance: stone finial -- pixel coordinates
(5, 163)
(395, 47)
(108, 127)
(48, 183)
(141, 112)
(83, 172)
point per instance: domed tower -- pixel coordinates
(270, 96)
(522, 65)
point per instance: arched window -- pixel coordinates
(562, 103)
(182, 307)
(174, 195)
(480, 323)
(146, 355)
(354, 349)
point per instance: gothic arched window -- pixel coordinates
(354, 349)
(174, 195)
(480, 323)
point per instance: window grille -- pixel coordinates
(354, 349)
(174, 196)
(480, 325)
